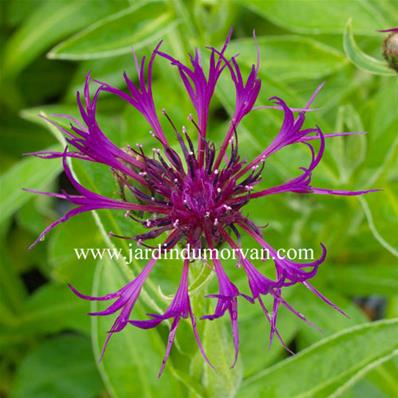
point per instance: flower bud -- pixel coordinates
(390, 50)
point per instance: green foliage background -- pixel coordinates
(48, 346)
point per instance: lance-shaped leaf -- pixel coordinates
(360, 59)
(327, 365)
(136, 26)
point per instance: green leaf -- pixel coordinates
(328, 320)
(49, 23)
(136, 26)
(19, 136)
(382, 118)
(290, 57)
(320, 17)
(133, 356)
(28, 173)
(33, 115)
(254, 335)
(385, 377)
(221, 382)
(51, 309)
(381, 230)
(389, 9)
(108, 70)
(365, 280)
(18, 11)
(32, 216)
(359, 384)
(12, 289)
(348, 152)
(59, 368)
(375, 365)
(78, 232)
(362, 60)
(332, 360)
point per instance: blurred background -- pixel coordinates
(49, 346)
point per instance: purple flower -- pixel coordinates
(195, 196)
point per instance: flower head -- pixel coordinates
(195, 194)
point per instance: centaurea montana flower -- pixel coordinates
(197, 197)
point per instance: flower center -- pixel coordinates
(199, 194)
(196, 201)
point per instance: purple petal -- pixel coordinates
(388, 30)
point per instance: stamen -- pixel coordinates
(169, 120)
(191, 119)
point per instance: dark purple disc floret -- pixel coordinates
(194, 195)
